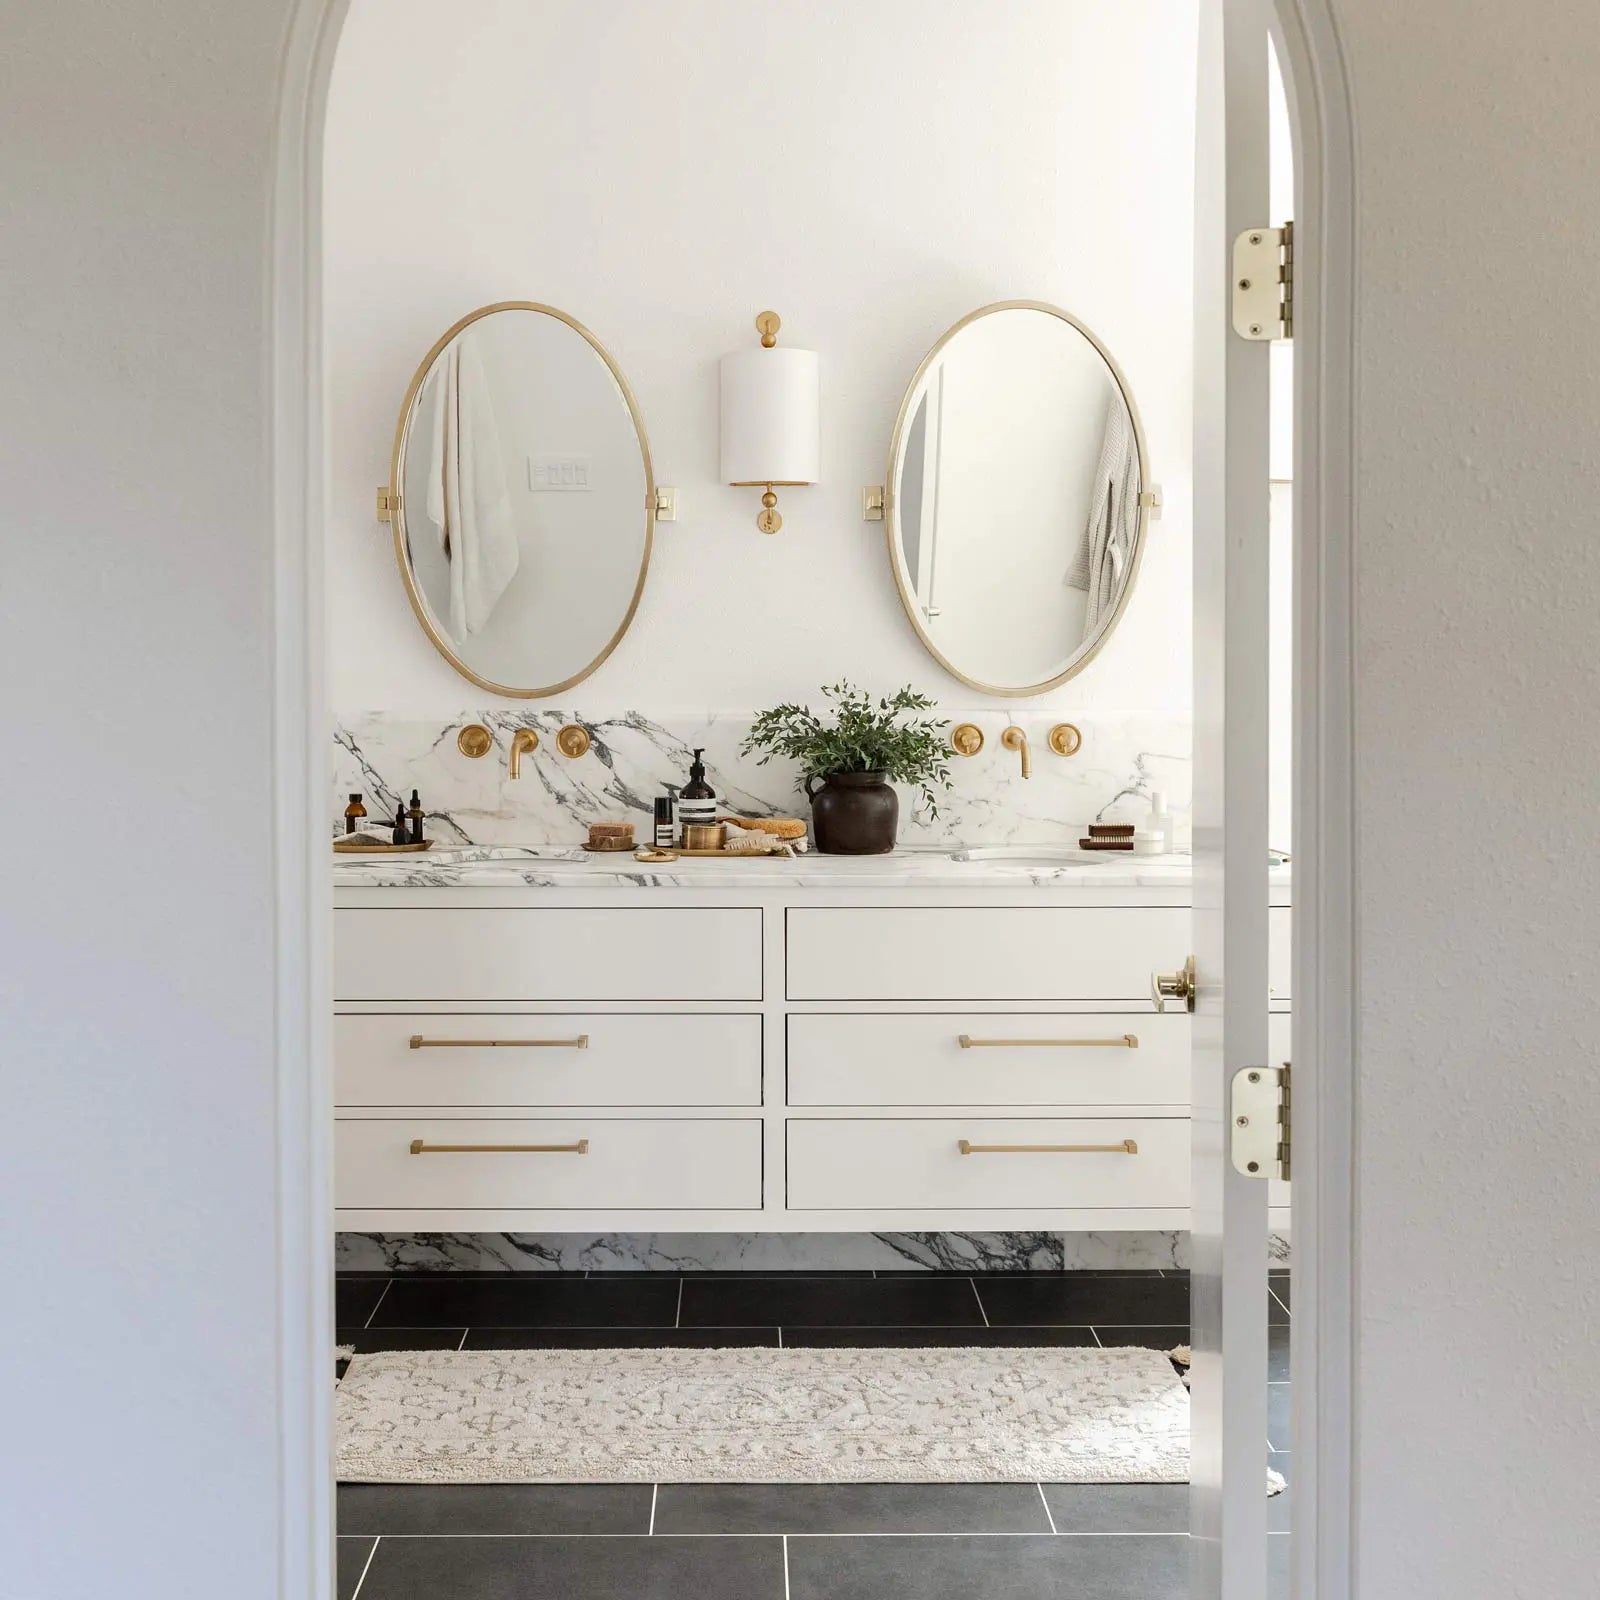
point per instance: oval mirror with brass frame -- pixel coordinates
(1017, 498)
(522, 499)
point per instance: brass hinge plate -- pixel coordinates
(1261, 1137)
(388, 503)
(1263, 283)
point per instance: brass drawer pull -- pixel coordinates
(1128, 1147)
(581, 1042)
(1129, 1041)
(581, 1148)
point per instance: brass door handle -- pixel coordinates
(581, 1148)
(1165, 986)
(1128, 1147)
(1128, 1041)
(580, 1042)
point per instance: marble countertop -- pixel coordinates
(559, 867)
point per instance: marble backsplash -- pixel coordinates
(633, 758)
(770, 1252)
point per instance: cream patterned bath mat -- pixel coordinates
(763, 1416)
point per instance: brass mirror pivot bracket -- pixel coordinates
(573, 741)
(523, 742)
(872, 503)
(474, 741)
(1065, 739)
(967, 740)
(665, 504)
(388, 503)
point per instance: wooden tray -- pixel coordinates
(742, 855)
(340, 848)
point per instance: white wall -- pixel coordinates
(138, 1337)
(872, 171)
(1477, 591)
(140, 1434)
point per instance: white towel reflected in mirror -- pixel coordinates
(469, 500)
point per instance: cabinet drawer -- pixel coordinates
(982, 953)
(554, 1059)
(1010, 1059)
(634, 1164)
(916, 1163)
(526, 953)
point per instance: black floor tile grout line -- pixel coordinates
(1049, 1515)
(943, 1533)
(376, 1303)
(979, 1298)
(367, 1567)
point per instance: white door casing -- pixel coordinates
(1228, 1212)
(1323, 843)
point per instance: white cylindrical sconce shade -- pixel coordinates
(771, 417)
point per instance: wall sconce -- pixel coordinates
(771, 419)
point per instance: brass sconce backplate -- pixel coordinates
(1065, 739)
(967, 740)
(474, 740)
(573, 741)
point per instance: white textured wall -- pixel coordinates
(137, 986)
(1478, 589)
(664, 172)
(137, 1340)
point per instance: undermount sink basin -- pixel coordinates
(507, 852)
(1018, 852)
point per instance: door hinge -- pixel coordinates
(1263, 283)
(1262, 1136)
(388, 503)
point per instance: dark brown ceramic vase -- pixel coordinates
(853, 814)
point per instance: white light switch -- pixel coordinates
(558, 474)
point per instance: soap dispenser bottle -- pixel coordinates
(697, 800)
(1160, 821)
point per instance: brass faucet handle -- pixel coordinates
(1065, 739)
(523, 742)
(967, 739)
(474, 741)
(573, 741)
(1015, 739)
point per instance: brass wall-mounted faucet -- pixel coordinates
(1015, 739)
(523, 742)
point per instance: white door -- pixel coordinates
(1228, 1516)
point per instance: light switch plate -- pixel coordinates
(559, 474)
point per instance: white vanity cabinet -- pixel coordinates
(811, 1046)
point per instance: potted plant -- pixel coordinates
(847, 765)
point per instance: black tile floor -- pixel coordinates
(1020, 1541)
